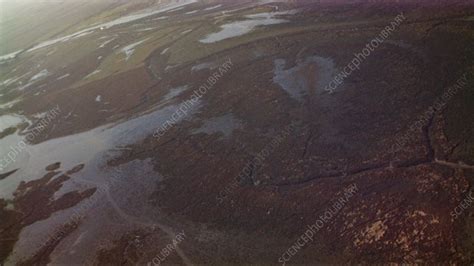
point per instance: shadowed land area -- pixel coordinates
(141, 120)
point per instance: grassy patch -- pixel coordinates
(115, 62)
(7, 132)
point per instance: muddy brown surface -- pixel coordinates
(245, 190)
(32, 202)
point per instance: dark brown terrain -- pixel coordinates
(261, 156)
